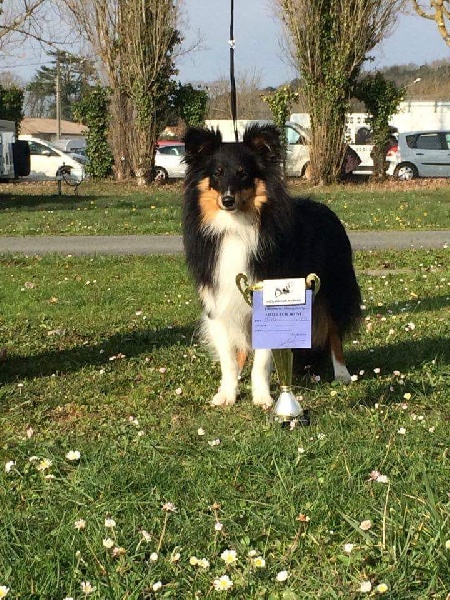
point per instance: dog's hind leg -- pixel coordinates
(241, 356)
(262, 367)
(337, 354)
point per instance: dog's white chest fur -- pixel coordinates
(234, 258)
(224, 301)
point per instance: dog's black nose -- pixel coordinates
(228, 202)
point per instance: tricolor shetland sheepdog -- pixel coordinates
(238, 217)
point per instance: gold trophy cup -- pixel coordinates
(287, 408)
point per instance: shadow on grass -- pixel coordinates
(67, 202)
(16, 367)
(384, 388)
(413, 306)
(39, 202)
(402, 356)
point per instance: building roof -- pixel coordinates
(38, 127)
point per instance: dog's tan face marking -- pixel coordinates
(249, 200)
(208, 200)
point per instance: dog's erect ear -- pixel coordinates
(201, 142)
(265, 141)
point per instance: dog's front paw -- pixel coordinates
(341, 374)
(223, 399)
(263, 400)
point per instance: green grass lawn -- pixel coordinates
(103, 359)
(116, 209)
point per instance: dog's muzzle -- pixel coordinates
(228, 202)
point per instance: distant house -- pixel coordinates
(46, 129)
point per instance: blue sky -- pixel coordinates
(257, 34)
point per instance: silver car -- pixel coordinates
(420, 154)
(169, 161)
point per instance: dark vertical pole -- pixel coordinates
(232, 78)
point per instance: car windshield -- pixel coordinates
(42, 148)
(51, 146)
(294, 136)
(172, 150)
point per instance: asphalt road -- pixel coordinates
(155, 244)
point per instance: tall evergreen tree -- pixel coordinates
(76, 77)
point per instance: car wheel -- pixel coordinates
(160, 175)
(406, 171)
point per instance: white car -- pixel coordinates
(46, 159)
(169, 161)
(420, 154)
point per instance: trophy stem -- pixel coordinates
(287, 407)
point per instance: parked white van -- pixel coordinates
(297, 159)
(357, 135)
(46, 159)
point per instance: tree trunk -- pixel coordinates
(379, 163)
(119, 135)
(143, 152)
(327, 137)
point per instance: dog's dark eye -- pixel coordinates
(241, 172)
(218, 172)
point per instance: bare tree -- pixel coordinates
(19, 20)
(134, 42)
(219, 99)
(9, 79)
(99, 23)
(249, 102)
(38, 22)
(436, 10)
(147, 76)
(329, 40)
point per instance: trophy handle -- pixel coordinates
(312, 283)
